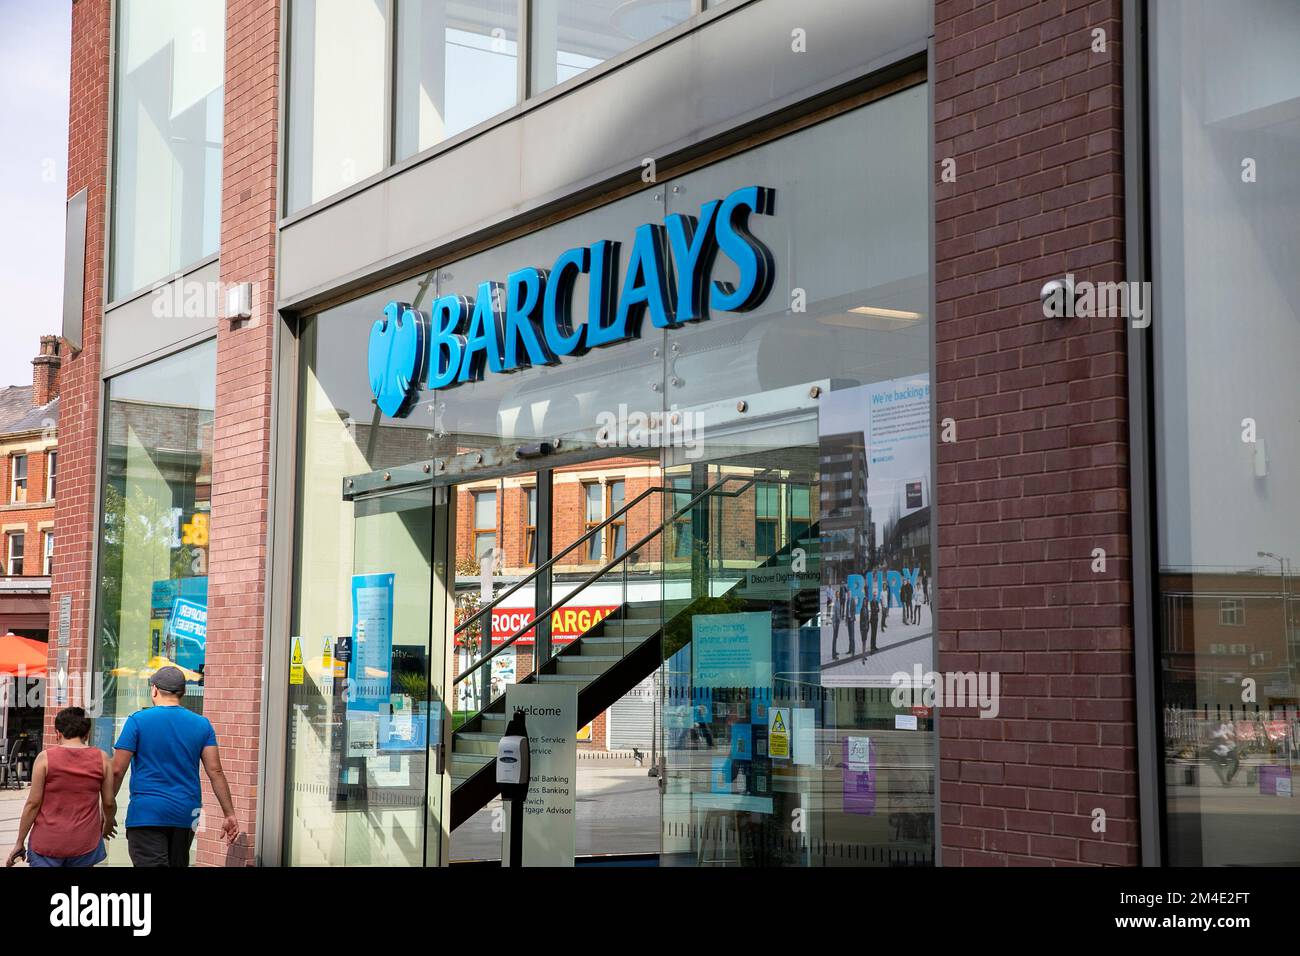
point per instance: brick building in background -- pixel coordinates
(29, 466)
(1095, 499)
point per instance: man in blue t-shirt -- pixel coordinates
(164, 745)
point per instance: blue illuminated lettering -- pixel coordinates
(529, 320)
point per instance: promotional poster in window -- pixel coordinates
(877, 588)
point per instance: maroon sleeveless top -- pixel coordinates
(69, 822)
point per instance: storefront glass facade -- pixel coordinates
(1226, 188)
(734, 590)
(152, 597)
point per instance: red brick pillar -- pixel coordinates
(74, 515)
(1037, 477)
(241, 445)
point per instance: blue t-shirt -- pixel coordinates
(168, 743)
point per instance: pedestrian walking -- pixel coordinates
(164, 745)
(70, 808)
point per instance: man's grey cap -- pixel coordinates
(169, 680)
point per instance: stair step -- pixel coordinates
(579, 679)
(608, 646)
(476, 743)
(644, 626)
(592, 664)
(465, 765)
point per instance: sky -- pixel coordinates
(35, 39)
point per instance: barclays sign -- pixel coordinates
(528, 319)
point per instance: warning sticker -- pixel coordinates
(778, 733)
(295, 662)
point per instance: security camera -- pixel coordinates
(1058, 298)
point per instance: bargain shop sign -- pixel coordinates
(566, 623)
(528, 319)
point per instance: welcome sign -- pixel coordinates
(528, 319)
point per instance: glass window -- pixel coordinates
(681, 542)
(154, 537)
(767, 518)
(1226, 188)
(337, 83)
(380, 807)
(530, 526)
(570, 36)
(15, 541)
(593, 498)
(167, 128)
(618, 526)
(51, 471)
(485, 522)
(773, 681)
(18, 478)
(49, 554)
(457, 65)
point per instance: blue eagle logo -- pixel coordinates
(396, 358)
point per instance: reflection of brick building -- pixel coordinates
(1219, 627)
(29, 417)
(846, 517)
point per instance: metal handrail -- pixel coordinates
(627, 552)
(591, 532)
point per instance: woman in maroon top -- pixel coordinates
(71, 784)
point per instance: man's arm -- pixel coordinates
(35, 797)
(212, 764)
(121, 761)
(108, 799)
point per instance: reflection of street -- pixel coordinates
(898, 647)
(1237, 824)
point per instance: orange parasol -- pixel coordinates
(22, 656)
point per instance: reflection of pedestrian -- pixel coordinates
(925, 585)
(875, 619)
(905, 595)
(835, 621)
(850, 616)
(1225, 754)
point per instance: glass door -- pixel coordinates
(370, 697)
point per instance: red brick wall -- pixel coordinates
(242, 448)
(1038, 476)
(74, 517)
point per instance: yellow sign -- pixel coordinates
(295, 663)
(584, 735)
(327, 658)
(778, 733)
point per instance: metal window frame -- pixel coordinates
(1138, 243)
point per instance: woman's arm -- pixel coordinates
(35, 797)
(108, 798)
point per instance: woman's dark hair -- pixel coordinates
(72, 722)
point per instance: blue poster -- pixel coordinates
(188, 626)
(742, 741)
(370, 670)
